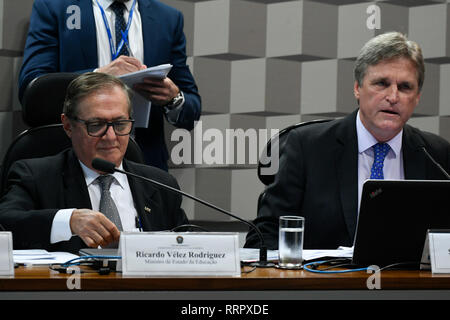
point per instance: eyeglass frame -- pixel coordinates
(108, 124)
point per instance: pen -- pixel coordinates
(138, 223)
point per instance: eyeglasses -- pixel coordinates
(98, 128)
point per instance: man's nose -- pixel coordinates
(392, 95)
(110, 133)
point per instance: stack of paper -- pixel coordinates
(251, 255)
(142, 106)
(42, 257)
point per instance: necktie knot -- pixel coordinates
(380, 151)
(105, 182)
(118, 8)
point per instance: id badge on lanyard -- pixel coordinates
(124, 40)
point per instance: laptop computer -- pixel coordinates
(394, 218)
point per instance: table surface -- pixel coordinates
(41, 278)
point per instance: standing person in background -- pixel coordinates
(118, 37)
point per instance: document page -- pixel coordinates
(41, 257)
(158, 72)
(141, 106)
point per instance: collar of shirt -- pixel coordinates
(107, 3)
(90, 175)
(366, 140)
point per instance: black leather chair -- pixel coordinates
(279, 139)
(43, 99)
(45, 141)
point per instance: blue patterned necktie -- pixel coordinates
(380, 151)
(107, 205)
(118, 9)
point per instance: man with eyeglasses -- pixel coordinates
(55, 203)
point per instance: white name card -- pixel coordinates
(6, 254)
(439, 246)
(179, 254)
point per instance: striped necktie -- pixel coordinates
(107, 205)
(118, 9)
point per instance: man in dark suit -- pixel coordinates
(72, 36)
(324, 166)
(54, 202)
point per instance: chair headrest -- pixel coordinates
(280, 140)
(44, 98)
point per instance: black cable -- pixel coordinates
(249, 271)
(411, 263)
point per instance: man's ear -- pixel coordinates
(356, 90)
(418, 98)
(67, 125)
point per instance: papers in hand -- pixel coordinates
(158, 72)
(142, 106)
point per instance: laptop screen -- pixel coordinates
(394, 218)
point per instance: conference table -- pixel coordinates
(39, 282)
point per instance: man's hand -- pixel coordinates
(94, 228)
(122, 65)
(159, 91)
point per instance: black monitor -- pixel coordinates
(394, 218)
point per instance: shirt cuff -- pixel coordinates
(61, 226)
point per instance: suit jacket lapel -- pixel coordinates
(76, 194)
(149, 31)
(346, 159)
(87, 35)
(414, 161)
(146, 205)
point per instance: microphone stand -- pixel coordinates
(262, 263)
(435, 162)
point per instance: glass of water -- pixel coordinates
(290, 242)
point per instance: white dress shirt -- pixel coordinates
(121, 194)
(393, 163)
(135, 39)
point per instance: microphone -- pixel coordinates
(418, 142)
(435, 162)
(109, 167)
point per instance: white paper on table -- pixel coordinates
(341, 252)
(251, 255)
(42, 257)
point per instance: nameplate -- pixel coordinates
(6, 254)
(179, 254)
(439, 250)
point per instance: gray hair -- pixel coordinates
(88, 83)
(388, 46)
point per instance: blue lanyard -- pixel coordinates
(114, 53)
